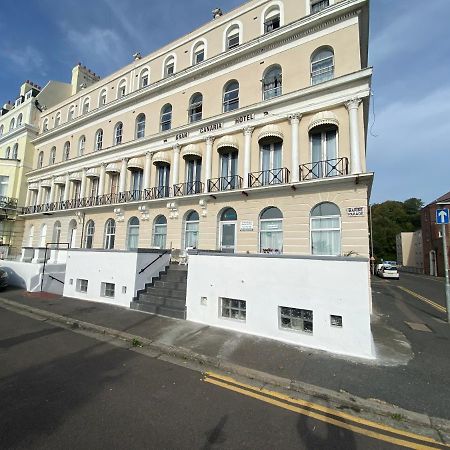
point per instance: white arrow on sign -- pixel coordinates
(442, 215)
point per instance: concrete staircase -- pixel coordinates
(165, 295)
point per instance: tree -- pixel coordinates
(389, 219)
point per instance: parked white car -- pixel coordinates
(388, 271)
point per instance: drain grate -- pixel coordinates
(418, 326)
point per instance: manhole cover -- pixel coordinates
(418, 326)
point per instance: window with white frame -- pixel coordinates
(271, 160)
(102, 98)
(296, 319)
(133, 233)
(118, 130)
(82, 285)
(322, 65)
(137, 177)
(71, 114)
(1, 130)
(86, 106)
(108, 290)
(122, 89)
(43, 235)
(233, 37)
(191, 230)
(160, 232)
(231, 308)
(57, 119)
(4, 180)
(271, 231)
(318, 5)
(272, 19)
(8, 152)
(144, 78)
(45, 126)
(52, 157)
(99, 139)
(12, 124)
(19, 119)
(336, 321)
(272, 82)
(325, 224)
(324, 151)
(110, 234)
(231, 96)
(166, 117)
(140, 126)
(40, 161)
(15, 151)
(198, 53)
(93, 187)
(66, 151)
(81, 145)
(196, 108)
(90, 230)
(169, 66)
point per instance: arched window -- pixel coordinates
(71, 114)
(40, 161)
(118, 130)
(232, 37)
(191, 230)
(144, 78)
(89, 237)
(57, 119)
(271, 160)
(322, 65)
(110, 234)
(325, 229)
(272, 82)
(19, 119)
(52, 156)
(231, 96)
(122, 89)
(228, 167)
(99, 139)
(272, 19)
(72, 234)
(102, 98)
(45, 126)
(1, 130)
(227, 230)
(66, 151)
(43, 235)
(198, 52)
(133, 233)
(324, 151)
(166, 117)
(160, 232)
(81, 145)
(169, 66)
(31, 236)
(86, 105)
(271, 231)
(15, 151)
(196, 108)
(12, 124)
(56, 236)
(8, 152)
(140, 126)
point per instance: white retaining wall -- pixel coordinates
(338, 286)
(111, 266)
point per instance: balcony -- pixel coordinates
(268, 177)
(189, 188)
(8, 208)
(324, 169)
(225, 183)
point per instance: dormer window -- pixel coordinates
(28, 95)
(18, 102)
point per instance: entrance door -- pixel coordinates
(227, 236)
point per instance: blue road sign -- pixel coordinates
(442, 216)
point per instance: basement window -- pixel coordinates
(234, 309)
(296, 319)
(336, 321)
(82, 285)
(108, 290)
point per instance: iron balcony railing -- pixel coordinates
(8, 202)
(268, 177)
(225, 183)
(189, 188)
(324, 169)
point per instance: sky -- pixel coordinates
(409, 126)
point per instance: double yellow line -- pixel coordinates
(337, 418)
(424, 299)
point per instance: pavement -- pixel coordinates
(407, 379)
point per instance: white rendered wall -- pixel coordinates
(325, 286)
(118, 267)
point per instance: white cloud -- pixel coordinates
(26, 60)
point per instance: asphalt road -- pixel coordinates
(64, 390)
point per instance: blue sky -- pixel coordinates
(408, 144)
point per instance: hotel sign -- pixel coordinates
(182, 135)
(356, 211)
(212, 127)
(244, 118)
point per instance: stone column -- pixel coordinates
(52, 191)
(295, 125)
(39, 194)
(355, 155)
(83, 184)
(248, 131)
(147, 170)
(123, 175)
(27, 201)
(66, 188)
(208, 160)
(176, 164)
(101, 180)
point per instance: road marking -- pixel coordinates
(323, 413)
(424, 299)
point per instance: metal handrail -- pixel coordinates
(269, 177)
(224, 183)
(159, 257)
(324, 169)
(188, 188)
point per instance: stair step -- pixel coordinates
(176, 313)
(164, 301)
(178, 267)
(166, 292)
(181, 285)
(174, 276)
